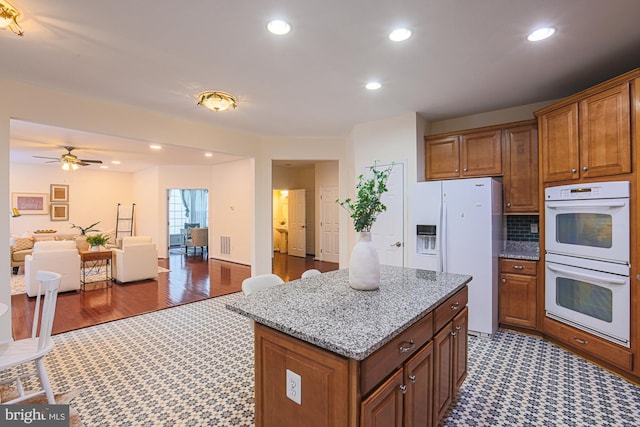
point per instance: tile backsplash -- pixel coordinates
(519, 228)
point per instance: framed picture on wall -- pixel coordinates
(59, 212)
(59, 193)
(30, 203)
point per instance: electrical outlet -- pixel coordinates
(534, 228)
(294, 387)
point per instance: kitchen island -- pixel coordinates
(328, 355)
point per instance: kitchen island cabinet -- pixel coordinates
(326, 354)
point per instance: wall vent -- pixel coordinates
(225, 245)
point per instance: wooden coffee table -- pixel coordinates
(92, 261)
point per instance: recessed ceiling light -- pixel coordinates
(155, 147)
(104, 167)
(208, 154)
(373, 86)
(278, 27)
(541, 34)
(115, 162)
(400, 34)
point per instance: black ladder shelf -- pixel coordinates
(124, 221)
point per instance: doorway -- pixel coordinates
(186, 208)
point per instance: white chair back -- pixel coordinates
(49, 283)
(262, 281)
(310, 273)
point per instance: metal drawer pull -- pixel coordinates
(412, 378)
(518, 267)
(455, 306)
(403, 388)
(406, 349)
(578, 340)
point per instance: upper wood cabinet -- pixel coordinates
(521, 169)
(481, 154)
(589, 137)
(467, 155)
(442, 157)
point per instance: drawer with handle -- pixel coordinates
(451, 307)
(376, 367)
(518, 266)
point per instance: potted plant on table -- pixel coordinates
(96, 241)
(364, 265)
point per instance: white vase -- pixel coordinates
(94, 248)
(364, 266)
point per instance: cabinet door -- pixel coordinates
(481, 154)
(384, 407)
(605, 133)
(442, 158)
(521, 170)
(460, 341)
(559, 139)
(442, 372)
(418, 376)
(517, 305)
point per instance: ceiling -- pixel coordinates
(465, 57)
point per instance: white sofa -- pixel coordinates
(58, 256)
(137, 259)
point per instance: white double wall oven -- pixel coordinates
(587, 244)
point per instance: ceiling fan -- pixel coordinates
(69, 161)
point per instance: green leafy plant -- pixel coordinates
(367, 205)
(97, 240)
(85, 230)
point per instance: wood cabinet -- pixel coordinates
(405, 398)
(589, 137)
(397, 385)
(450, 363)
(462, 156)
(520, 183)
(518, 293)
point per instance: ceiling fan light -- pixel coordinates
(217, 101)
(66, 166)
(9, 17)
(74, 166)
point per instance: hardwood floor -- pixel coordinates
(192, 278)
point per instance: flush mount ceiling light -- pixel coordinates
(541, 34)
(9, 17)
(278, 27)
(373, 86)
(217, 101)
(400, 34)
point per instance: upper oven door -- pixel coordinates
(596, 229)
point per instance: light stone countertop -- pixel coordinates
(521, 250)
(323, 310)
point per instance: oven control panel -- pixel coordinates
(594, 190)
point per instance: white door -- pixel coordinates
(297, 223)
(387, 233)
(329, 224)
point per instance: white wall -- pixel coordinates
(231, 212)
(394, 139)
(93, 196)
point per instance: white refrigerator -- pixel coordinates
(466, 239)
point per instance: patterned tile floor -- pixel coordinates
(192, 365)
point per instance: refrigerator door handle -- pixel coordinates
(443, 237)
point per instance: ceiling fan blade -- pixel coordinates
(50, 158)
(81, 163)
(91, 161)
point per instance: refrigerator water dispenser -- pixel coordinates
(426, 238)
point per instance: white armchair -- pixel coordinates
(60, 256)
(136, 260)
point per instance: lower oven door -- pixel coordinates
(586, 297)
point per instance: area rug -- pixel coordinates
(7, 393)
(17, 280)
